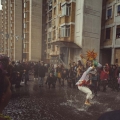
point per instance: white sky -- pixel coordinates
(0, 5)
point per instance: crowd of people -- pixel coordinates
(57, 73)
(13, 73)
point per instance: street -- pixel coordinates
(32, 102)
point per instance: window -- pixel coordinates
(65, 31)
(24, 4)
(24, 45)
(49, 24)
(116, 60)
(50, 5)
(66, 9)
(52, 47)
(54, 10)
(108, 30)
(49, 36)
(118, 10)
(49, 46)
(60, 6)
(109, 13)
(50, 15)
(25, 25)
(118, 31)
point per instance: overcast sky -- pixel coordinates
(0, 5)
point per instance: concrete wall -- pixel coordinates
(92, 25)
(87, 26)
(79, 22)
(36, 30)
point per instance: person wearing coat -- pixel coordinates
(41, 74)
(51, 80)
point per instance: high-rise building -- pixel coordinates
(71, 27)
(32, 30)
(21, 31)
(59, 27)
(110, 33)
(12, 28)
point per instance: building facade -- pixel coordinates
(59, 27)
(12, 28)
(87, 26)
(32, 30)
(21, 29)
(72, 27)
(110, 33)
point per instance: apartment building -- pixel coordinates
(32, 30)
(71, 27)
(110, 33)
(59, 27)
(21, 29)
(12, 28)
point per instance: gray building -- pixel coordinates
(21, 31)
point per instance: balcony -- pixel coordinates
(54, 53)
(26, 30)
(65, 19)
(26, 40)
(27, 6)
(25, 50)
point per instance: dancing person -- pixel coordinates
(83, 85)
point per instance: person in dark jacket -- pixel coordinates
(41, 74)
(18, 80)
(51, 80)
(63, 76)
(35, 71)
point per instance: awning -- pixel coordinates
(65, 44)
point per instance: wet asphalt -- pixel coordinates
(32, 102)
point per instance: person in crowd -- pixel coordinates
(71, 77)
(51, 69)
(104, 78)
(35, 70)
(59, 70)
(18, 80)
(51, 80)
(63, 76)
(114, 73)
(25, 75)
(41, 73)
(118, 82)
(5, 94)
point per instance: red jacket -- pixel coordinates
(103, 75)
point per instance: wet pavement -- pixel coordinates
(32, 102)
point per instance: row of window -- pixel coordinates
(64, 32)
(109, 12)
(66, 9)
(108, 32)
